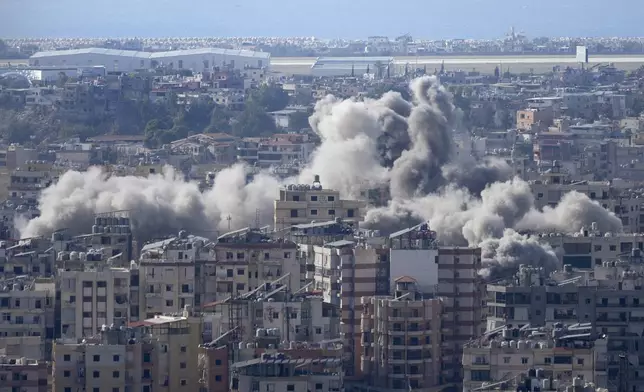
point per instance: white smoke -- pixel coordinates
(405, 146)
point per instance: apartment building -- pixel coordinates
(299, 204)
(267, 365)
(364, 272)
(98, 295)
(28, 180)
(592, 248)
(401, 340)
(248, 258)
(618, 196)
(168, 273)
(462, 292)
(157, 354)
(607, 298)
(23, 374)
(534, 119)
(27, 257)
(562, 354)
(110, 242)
(27, 308)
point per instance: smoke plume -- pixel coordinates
(158, 205)
(405, 148)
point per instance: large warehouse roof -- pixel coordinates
(154, 55)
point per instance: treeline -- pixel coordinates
(161, 123)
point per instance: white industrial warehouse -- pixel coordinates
(128, 60)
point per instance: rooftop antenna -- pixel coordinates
(229, 218)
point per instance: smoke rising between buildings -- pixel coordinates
(404, 146)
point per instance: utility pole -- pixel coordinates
(229, 218)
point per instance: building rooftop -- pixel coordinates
(157, 320)
(572, 336)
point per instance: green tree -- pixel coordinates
(254, 121)
(62, 79)
(270, 97)
(219, 120)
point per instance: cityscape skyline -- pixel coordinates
(69, 19)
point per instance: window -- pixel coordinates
(296, 198)
(96, 374)
(101, 283)
(116, 358)
(229, 273)
(293, 213)
(350, 213)
(38, 304)
(331, 198)
(67, 373)
(88, 284)
(184, 349)
(115, 374)
(168, 287)
(287, 255)
(68, 389)
(580, 361)
(182, 365)
(314, 198)
(218, 362)
(240, 271)
(184, 382)
(314, 212)
(547, 360)
(96, 389)
(240, 286)
(506, 359)
(67, 358)
(318, 385)
(331, 212)
(185, 288)
(290, 387)
(169, 302)
(96, 358)
(524, 360)
(318, 330)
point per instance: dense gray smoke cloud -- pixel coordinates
(404, 147)
(158, 205)
(502, 256)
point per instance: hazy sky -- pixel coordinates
(325, 19)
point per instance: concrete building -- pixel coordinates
(27, 308)
(304, 203)
(462, 292)
(23, 374)
(169, 273)
(592, 247)
(95, 296)
(535, 120)
(248, 258)
(606, 298)
(158, 354)
(198, 60)
(401, 340)
(273, 309)
(561, 354)
(28, 180)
